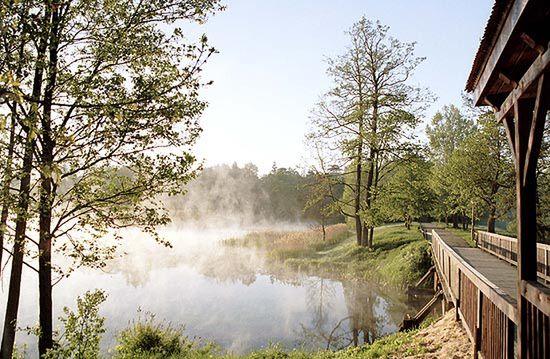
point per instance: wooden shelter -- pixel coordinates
(511, 73)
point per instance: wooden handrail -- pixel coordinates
(537, 294)
(485, 241)
(501, 299)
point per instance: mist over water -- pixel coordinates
(223, 294)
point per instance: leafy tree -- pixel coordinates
(543, 188)
(407, 193)
(111, 113)
(370, 114)
(448, 129)
(481, 170)
(283, 187)
(323, 199)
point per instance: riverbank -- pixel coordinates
(398, 257)
(444, 338)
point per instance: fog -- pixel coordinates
(223, 294)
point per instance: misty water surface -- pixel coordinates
(224, 295)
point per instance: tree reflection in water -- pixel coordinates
(369, 315)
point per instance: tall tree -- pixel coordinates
(370, 114)
(29, 124)
(116, 111)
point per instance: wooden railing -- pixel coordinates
(506, 248)
(536, 301)
(489, 314)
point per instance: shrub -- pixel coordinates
(150, 339)
(82, 330)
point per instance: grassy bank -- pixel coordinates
(399, 256)
(441, 339)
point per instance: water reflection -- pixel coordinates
(227, 295)
(371, 312)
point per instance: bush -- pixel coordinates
(82, 330)
(150, 339)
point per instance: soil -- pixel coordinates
(445, 338)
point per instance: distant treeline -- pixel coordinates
(229, 194)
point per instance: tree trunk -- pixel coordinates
(455, 221)
(491, 223)
(47, 192)
(358, 174)
(473, 230)
(9, 159)
(323, 227)
(365, 237)
(371, 237)
(14, 291)
(6, 187)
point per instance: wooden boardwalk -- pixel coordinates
(496, 271)
(481, 282)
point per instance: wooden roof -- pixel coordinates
(516, 38)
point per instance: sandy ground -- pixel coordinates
(446, 339)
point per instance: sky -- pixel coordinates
(270, 69)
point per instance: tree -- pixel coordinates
(115, 103)
(322, 199)
(448, 129)
(407, 193)
(370, 114)
(481, 171)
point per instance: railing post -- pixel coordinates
(477, 334)
(510, 339)
(546, 279)
(457, 305)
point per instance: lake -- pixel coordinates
(225, 295)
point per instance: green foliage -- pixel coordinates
(396, 345)
(150, 339)
(448, 129)
(473, 172)
(407, 193)
(82, 329)
(543, 189)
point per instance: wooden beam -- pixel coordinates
(532, 43)
(540, 65)
(509, 127)
(537, 125)
(507, 79)
(512, 18)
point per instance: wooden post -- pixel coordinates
(526, 138)
(546, 262)
(477, 327)
(458, 297)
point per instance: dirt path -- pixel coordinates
(445, 338)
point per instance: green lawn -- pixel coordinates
(399, 256)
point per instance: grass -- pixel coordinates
(153, 340)
(399, 256)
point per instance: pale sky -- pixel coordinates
(271, 71)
